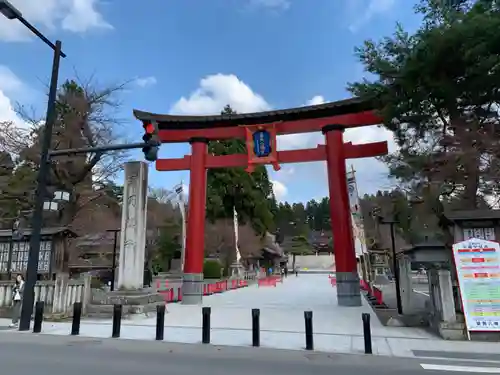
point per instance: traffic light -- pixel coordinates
(152, 140)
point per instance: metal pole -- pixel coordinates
(37, 221)
(34, 30)
(182, 209)
(86, 150)
(113, 265)
(396, 271)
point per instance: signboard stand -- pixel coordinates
(477, 263)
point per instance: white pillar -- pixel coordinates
(406, 285)
(446, 296)
(133, 229)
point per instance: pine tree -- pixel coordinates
(250, 193)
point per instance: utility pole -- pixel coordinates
(113, 263)
(12, 13)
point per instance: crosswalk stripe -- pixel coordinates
(487, 370)
(421, 292)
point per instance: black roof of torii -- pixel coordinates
(180, 122)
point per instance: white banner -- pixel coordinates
(352, 189)
(356, 218)
(478, 269)
(236, 230)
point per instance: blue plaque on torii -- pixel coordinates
(261, 143)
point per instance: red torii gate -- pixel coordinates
(330, 118)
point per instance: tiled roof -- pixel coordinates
(353, 105)
(45, 231)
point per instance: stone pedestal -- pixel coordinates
(133, 227)
(192, 288)
(134, 303)
(236, 269)
(348, 289)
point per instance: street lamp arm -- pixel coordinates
(35, 31)
(12, 13)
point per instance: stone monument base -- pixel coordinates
(135, 303)
(348, 289)
(172, 275)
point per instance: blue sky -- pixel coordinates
(195, 56)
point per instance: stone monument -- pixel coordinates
(133, 227)
(130, 292)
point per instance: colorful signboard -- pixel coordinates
(478, 270)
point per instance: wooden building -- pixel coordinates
(53, 256)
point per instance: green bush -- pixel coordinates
(96, 283)
(212, 269)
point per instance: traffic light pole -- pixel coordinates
(99, 149)
(31, 274)
(37, 220)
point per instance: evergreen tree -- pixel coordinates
(168, 246)
(438, 92)
(250, 193)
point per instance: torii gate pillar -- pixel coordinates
(192, 283)
(348, 290)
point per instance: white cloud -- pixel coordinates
(271, 4)
(215, 92)
(365, 10)
(371, 173)
(83, 16)
(318, 99)
(280, 190)
(9, 82)
(356, 135)
(146, 81)
(10, 85)
(218, 90)
(77, 16)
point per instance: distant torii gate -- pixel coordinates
(260, 131)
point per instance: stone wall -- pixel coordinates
(59, 295)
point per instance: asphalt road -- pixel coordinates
(27, 353)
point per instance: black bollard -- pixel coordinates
(117, 321)
(255, 327)
(308, 318)
(77, 315)
(37, 324)
(160, 322)
(205, 328)
(367, 333)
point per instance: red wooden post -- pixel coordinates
(192, 286)
(348, 291)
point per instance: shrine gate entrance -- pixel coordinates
(260, 131)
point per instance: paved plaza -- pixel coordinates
(336, 329)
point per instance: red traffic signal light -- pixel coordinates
(152, 141)
(149, 128)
